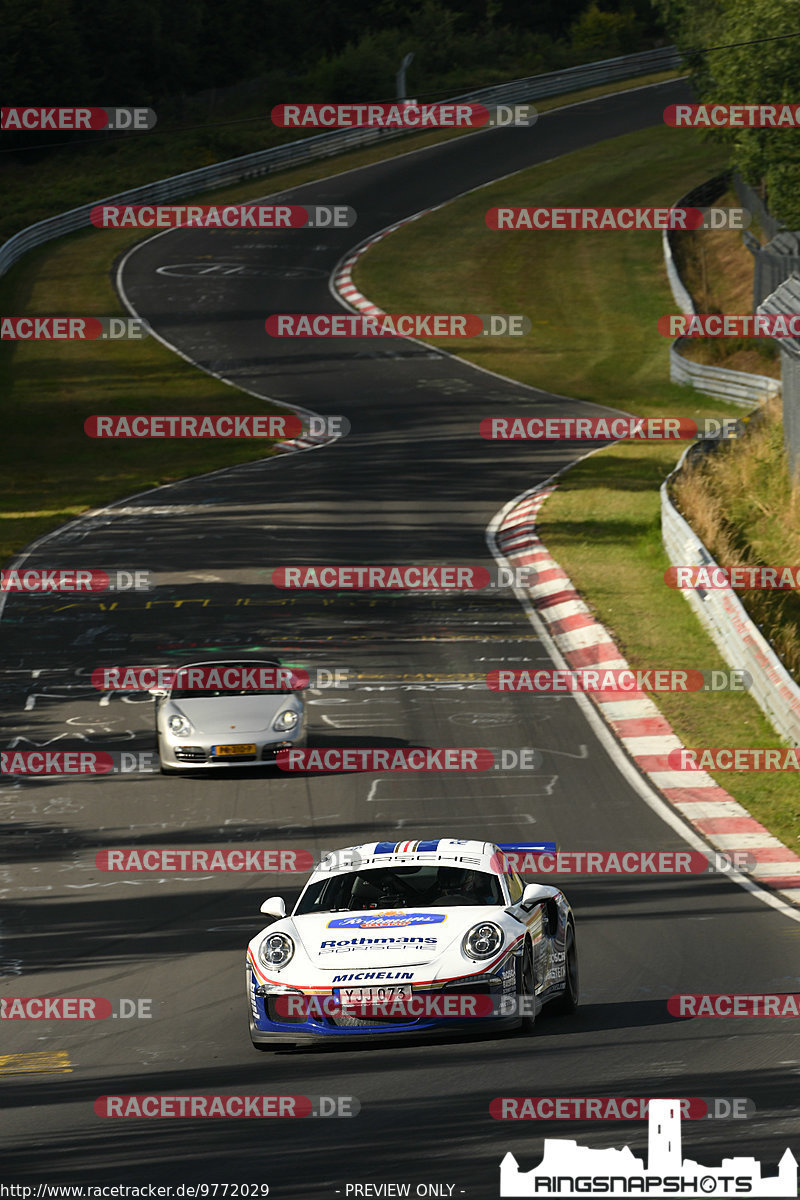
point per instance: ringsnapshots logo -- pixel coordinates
(72, 329)
(401, 577)
(229, 216)
(133, 120)
(226, 426)
(616, 219)
(570, 1170)
(407, 114)
(608, 429)
(414, 325)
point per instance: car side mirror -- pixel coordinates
(536, 892)
(275, 906)
(158, 692)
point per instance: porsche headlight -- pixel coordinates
(482, 941)
(179, 725)
(276, 950)
(286, 721)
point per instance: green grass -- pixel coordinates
(593, 299)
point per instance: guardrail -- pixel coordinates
(725, 618)
(264, 162)
(738, 387)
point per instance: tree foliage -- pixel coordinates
(754, 73)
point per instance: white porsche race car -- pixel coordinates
(410, 938)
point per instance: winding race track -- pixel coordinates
(412, 483)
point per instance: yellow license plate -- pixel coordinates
(221, 750)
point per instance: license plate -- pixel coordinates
(222, 750)
(381, 993)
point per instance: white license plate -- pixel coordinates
(381, 993)
(243, 749)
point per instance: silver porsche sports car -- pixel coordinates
(227, 714)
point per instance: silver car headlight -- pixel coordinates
(179, 725)
(286, 721)
(483, 940)
(276, 950)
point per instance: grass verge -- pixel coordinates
(717, 269)
(594, 299)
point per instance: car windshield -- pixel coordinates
(428, 886)
(203, 680)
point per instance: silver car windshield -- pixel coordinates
(180, 691)
(428, 886)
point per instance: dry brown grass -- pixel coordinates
(740, 503)
(717, 270)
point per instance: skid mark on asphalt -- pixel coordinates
(41, 1062)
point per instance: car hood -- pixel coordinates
(229, 715)
(376, 938)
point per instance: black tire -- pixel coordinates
(527, 988)
(567, 1002)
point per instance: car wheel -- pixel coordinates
(567, 1002)
(527, 989)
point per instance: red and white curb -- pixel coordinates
(343, 276)
(302, 443)
(637, 723)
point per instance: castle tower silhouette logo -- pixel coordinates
(568, 1169)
